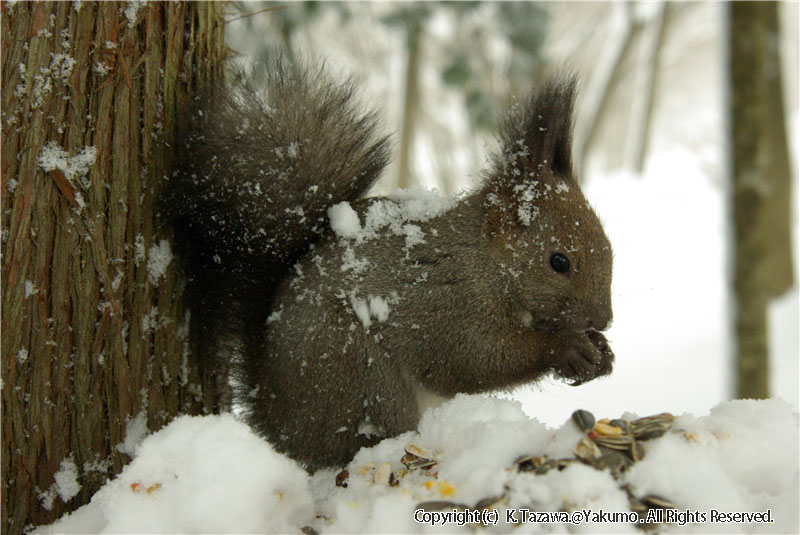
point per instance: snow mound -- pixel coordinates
(199, 475)
(722, 472)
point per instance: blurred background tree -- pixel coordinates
(761, 186)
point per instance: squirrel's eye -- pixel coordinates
(559, 262)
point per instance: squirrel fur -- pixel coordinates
(345, 317)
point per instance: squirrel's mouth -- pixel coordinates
(537, 324)
(530, 321)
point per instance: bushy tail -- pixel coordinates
(255, 173)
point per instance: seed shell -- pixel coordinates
(651, 427)
(654, 501)
(383, 474)
(490, 502)
(583, 419)
(418, 451)
(586, 450)
(622, 424)
(529, 463)
(607, 430)
(341, 478)
(441, 505)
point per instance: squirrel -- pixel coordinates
(349, 312)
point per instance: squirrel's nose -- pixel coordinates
(599, 318)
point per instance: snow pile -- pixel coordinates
(199, 474)
(212, 474)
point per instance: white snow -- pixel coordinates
(132, 11)
(394, 211)
(373, 307)
(344, 220)
(213, 475)
(65, 486)
(361, 308)
(30, 289)
(200, 474)
(158, 259)
(54, 157)
(138, 250)
(66, 478)
(135, 432)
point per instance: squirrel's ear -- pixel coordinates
(535, 147)
(536, 136)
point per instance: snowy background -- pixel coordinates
(671, 337)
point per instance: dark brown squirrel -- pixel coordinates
(350, 311)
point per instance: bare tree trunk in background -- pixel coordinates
(410, 107)
(760, 186)
(648, 66)
(598, 89)
(93, 326)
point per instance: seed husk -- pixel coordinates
(622, 424)
(418, 451)
(308, 530)
(529, 463)
(614, 461)
(546, 466)
(413, 462)
(637, 451)
(584, 420)
(606, 429)
(619, 443)
(490, 502)
(383, 474)
(651, 427)
(441, 505)
(655, 501)
(341, 478)
(586, 450)
(417, 457)
(560, 464)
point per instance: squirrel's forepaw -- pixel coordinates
(586, 356)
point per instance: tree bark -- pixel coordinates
(93, 326)
(760, 184)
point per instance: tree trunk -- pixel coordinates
(647, 68)
(410, 108)
(760, 185)
(93, 326)
(598, 90)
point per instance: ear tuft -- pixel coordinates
(535, 155)
(536, 137)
